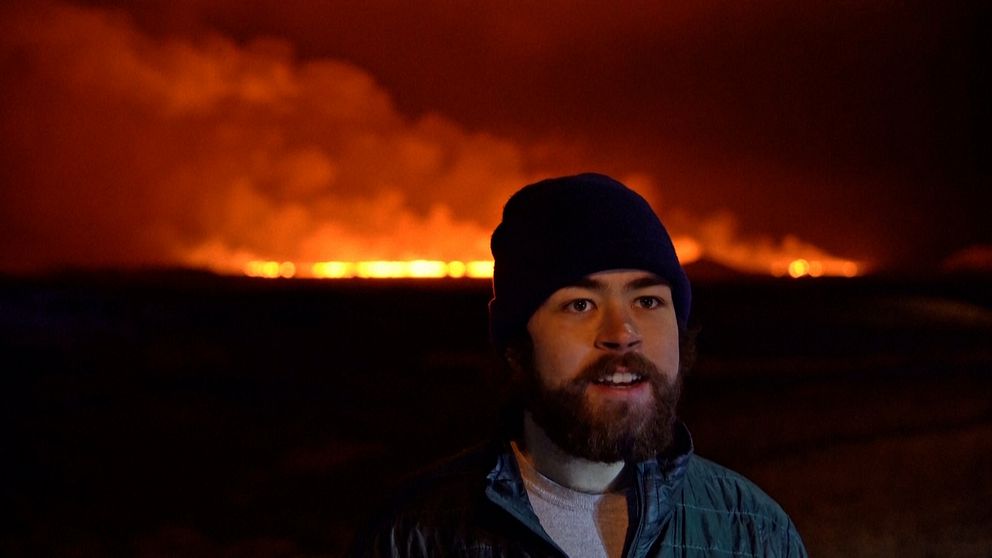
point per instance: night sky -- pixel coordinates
(188, 132)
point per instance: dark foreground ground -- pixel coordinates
(180, 414)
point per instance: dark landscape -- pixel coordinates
(178, 413)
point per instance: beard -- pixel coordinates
(610, 430)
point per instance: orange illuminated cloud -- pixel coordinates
(124, 148)
(212, 153)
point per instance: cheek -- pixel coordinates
(664, 351)
(557, 360)
(557, 349)
(550, 363)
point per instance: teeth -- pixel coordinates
(620, 378)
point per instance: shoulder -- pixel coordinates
(710, 483)
(434, 512)
(716, 500)
(450, 487)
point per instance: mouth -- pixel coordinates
(620, 379)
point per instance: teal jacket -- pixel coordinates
(476, 505)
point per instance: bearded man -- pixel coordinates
(589, 313)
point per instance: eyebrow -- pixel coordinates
(649, 280)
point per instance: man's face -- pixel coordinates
(605, 366)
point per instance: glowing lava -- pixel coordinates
(373, 269)
(788, 258)
(802, 267)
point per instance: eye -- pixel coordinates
(649, 302)
(579, 305)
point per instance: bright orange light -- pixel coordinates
(687, 249)
(373, 269)
(333, 270)
(798, 268)
(456, 269)
(483, 269)
(790, 258)
(801, 267)
(428, 269)
(480, 269)
(815, 269)
(270, 269)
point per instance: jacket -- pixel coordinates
(476, 505)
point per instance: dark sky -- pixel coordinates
(851, 129)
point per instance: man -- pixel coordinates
(589, 312)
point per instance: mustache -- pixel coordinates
(634, 362)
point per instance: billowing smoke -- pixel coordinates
(124, 148)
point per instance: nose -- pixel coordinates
(617, 332)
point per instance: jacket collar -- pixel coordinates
(657, 483)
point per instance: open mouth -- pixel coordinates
(620, 379)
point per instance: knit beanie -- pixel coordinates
(557, 231)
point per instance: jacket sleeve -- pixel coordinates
(793, 543)
(390, 539)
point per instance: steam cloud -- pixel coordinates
(122, 148)
(126, 149)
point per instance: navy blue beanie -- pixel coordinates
(557, 231)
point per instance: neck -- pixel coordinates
(580, 474)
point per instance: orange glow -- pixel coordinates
(379, 192)
(801, 267)
(371, 269)
(446, 240)
(270, 269)
(688, 249)
(798, 268)
(483, 269)
(456, 269)
(333, 270)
